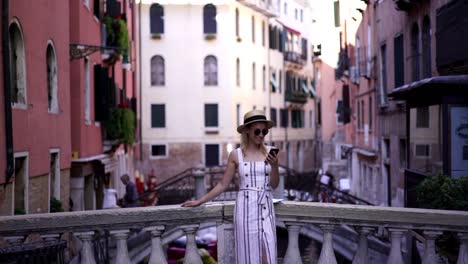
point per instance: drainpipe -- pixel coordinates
(139, 79)
(7, 95)
(268, 80)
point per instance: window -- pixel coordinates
(319, 113)
(284, 117)
(17, 66)
(422, 117)
(274, 84)
(273, 115)
(383, 74)
(211, 70)
(358, 56)
(156, 19)
(346, 105)
(280, 80)
(358, 114)
(254, 81)
(370, 112)
(301, 15)
(415, 67)
(21, 189)
(237, 72)
(158, 115)
(285, 8)
(402, 153)
(426, 47)
(209, 19)
(263, 33)
(369, 50)
(264, 78)
(253, 29)
(336, 9)
(362, 114)
(158, 151)
(297, 118)
(96, 8)
(422, 150)
(238, 114)
(237, 23)
(311, 119)
(52, 93)
(157, 71)
(386, 148)
(399, 63)
(339, 112)
(86, 3)
(211, 115)
(54, 173)
(87, 92)
(295, 13)
(211, 155)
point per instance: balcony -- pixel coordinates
(321, 222)
(294, 59)
(296, 96)
(266, 7)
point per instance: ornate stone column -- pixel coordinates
(225, 234)
(463, 251)
(430, 256)
(87, 253)
(122, 249)
(157, 252)
(327, 256)
(293, 255)
(362, 256)
(191, 250)
(395, 256)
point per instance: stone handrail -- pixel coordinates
(294, 215)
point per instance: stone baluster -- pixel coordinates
(200, 188)
(157, 252)
(362, 256)
(87, 253)
(327, 255)
(226, 244)
(15, 240)
(430, 256)
(293, 256)
(122, 250)
(191, 250)
(395, 256)
(463, 251)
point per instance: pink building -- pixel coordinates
(40, 102)
(102, 85)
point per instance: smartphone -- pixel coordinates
(274, 150)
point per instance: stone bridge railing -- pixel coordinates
(428, 224)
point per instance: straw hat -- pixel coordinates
(255, 116)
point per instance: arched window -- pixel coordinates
(157, 71)
(209, 19)
(52, 86)
(211, 70)
(415, 66)
(156, 19)
(17, 65)
(426, 47)
(237, 23)
(237, 72)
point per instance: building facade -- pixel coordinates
(193, 102)
(39, 91)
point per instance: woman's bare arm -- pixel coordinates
(221, 186)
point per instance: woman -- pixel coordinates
(254, 216)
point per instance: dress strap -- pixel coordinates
(240, 157)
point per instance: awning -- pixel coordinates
(273, 82)
(312, 90)
(304, 87)
(291, 30)
(109, 162)
(365, 152)
(438, 86)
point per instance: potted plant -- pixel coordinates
(121, 124)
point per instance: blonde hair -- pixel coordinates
(245, 142)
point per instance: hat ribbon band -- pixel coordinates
(255, 118)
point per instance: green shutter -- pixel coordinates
(337, 13)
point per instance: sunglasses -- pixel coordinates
(263, 131)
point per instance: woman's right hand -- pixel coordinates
(193, 203)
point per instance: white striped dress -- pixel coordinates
(254, 215)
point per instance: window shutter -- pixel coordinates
(399, 61)
(346, 105)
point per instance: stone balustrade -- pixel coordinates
(295, 216)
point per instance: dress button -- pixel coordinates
(263, 219)
(264, 207)
(247, 186)
(246, 175)
(245, 164)
(266, 174)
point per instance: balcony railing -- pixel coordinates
(296, 96)
(294, 58)
(166, 223)
(266, 7)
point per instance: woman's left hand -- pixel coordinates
(272, 159)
